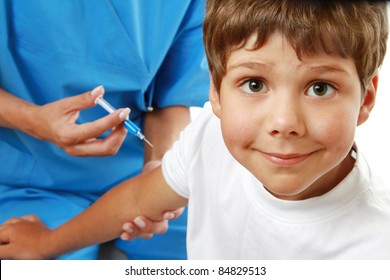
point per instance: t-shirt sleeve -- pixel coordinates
(173, 168)
(182, 159)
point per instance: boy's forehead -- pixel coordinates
(279, 40)
(249, 47)
(276, 49)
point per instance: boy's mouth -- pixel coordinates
(285, 160)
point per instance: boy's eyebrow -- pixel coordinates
(327, 68)
(257, 66)
(251, 65)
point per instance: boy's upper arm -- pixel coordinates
(154, 196)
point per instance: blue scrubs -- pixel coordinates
(144, 52)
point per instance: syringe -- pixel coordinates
(131, 127)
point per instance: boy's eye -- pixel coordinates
(320, 89)
(252, 86)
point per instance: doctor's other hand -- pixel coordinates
(24, 238)
(56, 122)
(141, 226)
(144, 228)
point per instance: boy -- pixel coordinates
(269, 170)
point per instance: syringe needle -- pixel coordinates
(150, 144)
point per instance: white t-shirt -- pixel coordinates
(232, 216)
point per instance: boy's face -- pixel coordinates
(291, 122)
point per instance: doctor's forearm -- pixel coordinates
(101, 222)
(147, 195)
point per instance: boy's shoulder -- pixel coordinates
(378, 190)
(204, 125)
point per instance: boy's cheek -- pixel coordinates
(337, 135)
(237, 133)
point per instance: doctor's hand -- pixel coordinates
(24, 238)
(141, 226)
(56, 122)
(144, 228)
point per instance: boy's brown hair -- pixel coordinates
(356, 29)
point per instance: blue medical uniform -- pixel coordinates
(146, 53)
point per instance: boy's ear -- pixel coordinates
(215, 99)
(368, 100)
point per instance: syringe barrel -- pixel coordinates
(132, 128)
(105, 105)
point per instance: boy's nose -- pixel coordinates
(285, 119)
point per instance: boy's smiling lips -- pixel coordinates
(285, 160)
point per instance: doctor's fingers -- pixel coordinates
(76, 134)
(173, 215)
(82, 101)
(5, 236)
(11, 249)
(13, 220)
(147, 226)
(6, 251)
(99, 147)
(143, 228)
(5, 246)
(135, 234)
(29, 218)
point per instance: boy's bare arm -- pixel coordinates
(147, 195)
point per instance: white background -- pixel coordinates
(373, 136)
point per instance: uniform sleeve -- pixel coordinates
(183, 77)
